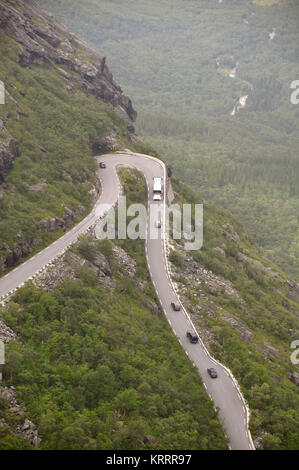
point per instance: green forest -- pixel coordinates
(56, 171)
(93, 360)
(249, 328)
(99, 368)
(174, 59)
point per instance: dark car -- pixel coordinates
(175, 306)
(192, 336)
(102, 165)
(212, 373)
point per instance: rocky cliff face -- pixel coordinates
(9, 150)
(41, 39)
(19, 425)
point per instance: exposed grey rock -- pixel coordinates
(51, 224)
(268, 351)
(102, 264)
(170, 192)
(66, 267)
(294, 377)
(23, 428)
(246, 334)
(20, 250)
(9, 394)
(81, 209)
(128, 263)
(217, 249)
(42, 38)
(230, 232)
(148, 438)
(293, 285)
(105, 144)
(6, 333)
(293, 291)
(55, 223)
(131, 128)
(241, 258)
(151, 306)
(37, 187)
(9, 150)
(286, 305)
(259, 439)
(26, 425)
(169, 170)
(197, 275)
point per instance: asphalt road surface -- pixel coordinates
(223, 391)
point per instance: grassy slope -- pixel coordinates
(65, 125)
(98, 370)
(165, 53)
(262, 308)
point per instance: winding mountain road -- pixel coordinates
(224, 390)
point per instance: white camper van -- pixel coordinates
(157, 189)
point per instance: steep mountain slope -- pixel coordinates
(95, 362)
(186, 64)
(61, 106)
(93, 318)
(247, 312)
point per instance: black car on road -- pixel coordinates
(192, 336)
(102, 165)
(212, 373)
(175, 306)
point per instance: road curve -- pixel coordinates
(224, 390)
